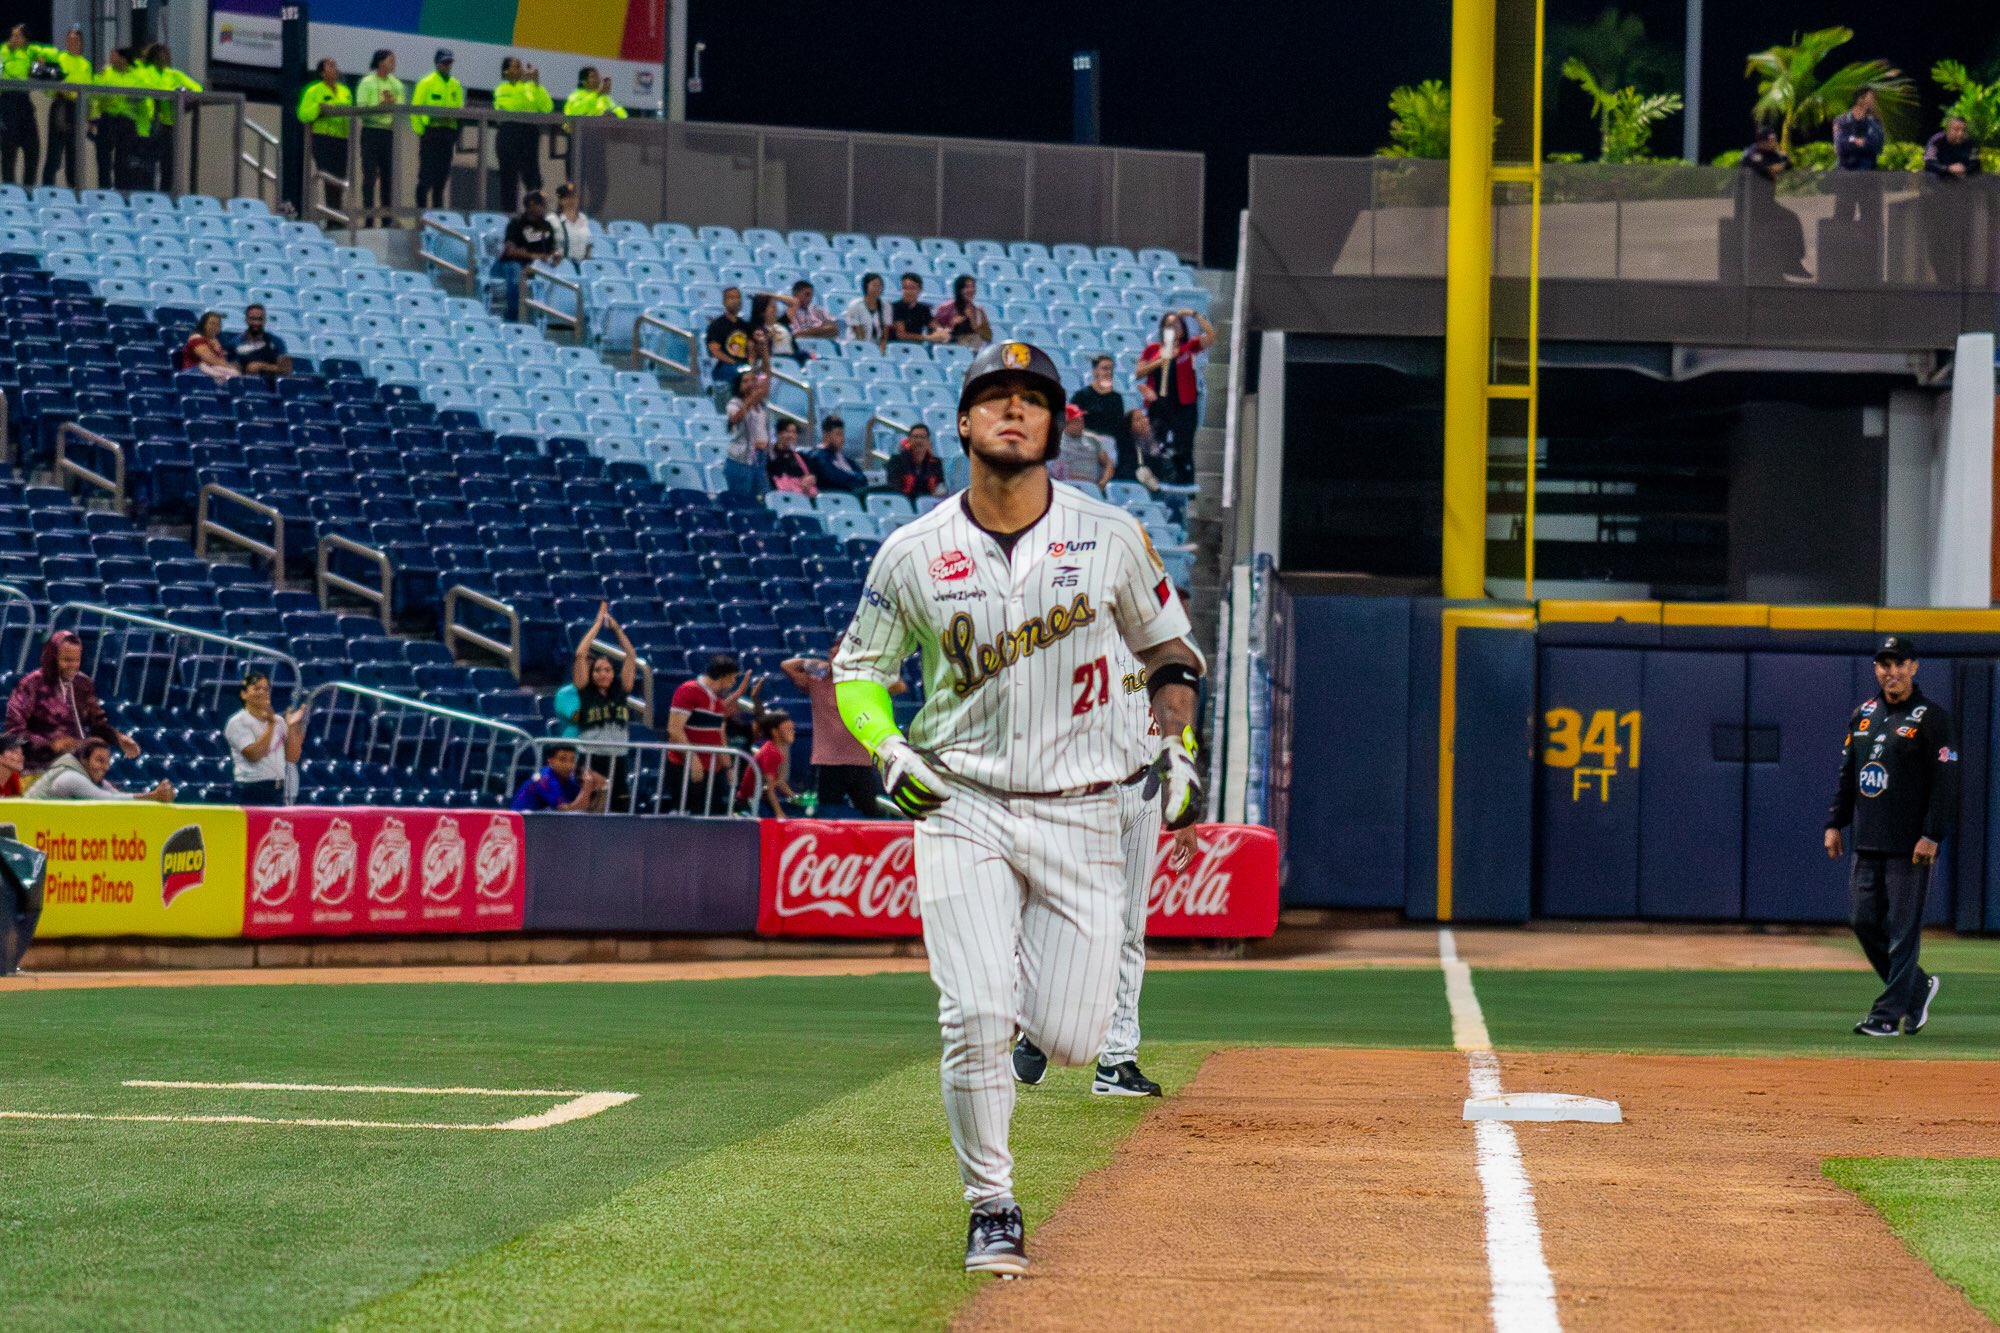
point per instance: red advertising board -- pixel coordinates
(357, 870)
(857, 878)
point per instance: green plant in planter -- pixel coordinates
(1419, 121)
(1792, 92)
(1625, 116)
(1902, 155)
(1978, 104)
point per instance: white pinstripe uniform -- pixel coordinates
(1022, 709)
(1139, 840)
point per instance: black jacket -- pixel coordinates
(1898, 775)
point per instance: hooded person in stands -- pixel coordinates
(80, 776)
(55, 709)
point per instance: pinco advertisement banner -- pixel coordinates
(365, 871)
(858, 878)
(134, 867)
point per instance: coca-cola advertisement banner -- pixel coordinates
(357, 870)
(858, 878)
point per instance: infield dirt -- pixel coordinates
(1338, 1187)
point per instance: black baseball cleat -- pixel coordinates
(1877, 1027)
(996, 1241)
(1123, 1080)
(1914, 1023)
(1031, 1063)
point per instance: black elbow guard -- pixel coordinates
(1172, 673)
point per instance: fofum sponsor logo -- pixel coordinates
(1061, 549)
(334, 862)
(389, 862)
(950, 566)
(443, 862)
(498, 858)
(854, 884)
(274, 866)
(183, 863)
(1199, 889)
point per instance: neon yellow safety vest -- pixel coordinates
(434, 89)
(317, 95)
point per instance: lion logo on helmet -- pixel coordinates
(1016, 356)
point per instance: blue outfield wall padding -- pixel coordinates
(1420, 840)
(1493, 785)
(1345, 829)
(1588, 822)
(1975, 767)
(642, 872)
(1690, 776)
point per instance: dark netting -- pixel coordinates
(1069, 195)
(710, 174)
(895, 185)
(985, 188)
(805, 182)
(1158, 202)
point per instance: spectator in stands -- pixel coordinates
(728, 340)
(81, 777)
(13, 763)
(773, 759)
(786, 468)
(55, 707)
(961, 319)
(771, 329)
(592, 98)
(844, 772)
(1773, 237)
(258, 351)
(1104, 411)
(1950, 154)
(1083, 455)
(263, 742)
(76, 69)
(437, 136)
(697, 716)
(528, 238)
(604, 702)
(749, 434)
(204, 351)
(329, 133)
(121, 123)
(19, 134)
(160, 71)
(1949, 158)
(915, 470)
(810, 320)
(1857, 148)
(831, 468)
(559, 786)
(1170, 388)
(910, 319)
(573, 238)
(518, 148)
(378, 87)
(565, 704)
(866, 319)
(1148, 458)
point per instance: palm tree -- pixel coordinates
(1978, 104)
(1791, 91)
(1625, 116)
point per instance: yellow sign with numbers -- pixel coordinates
(1571, 740)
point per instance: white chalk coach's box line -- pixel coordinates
(579, 1106)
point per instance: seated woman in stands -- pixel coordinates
(785, 467)
(961, 318)
(203, 350)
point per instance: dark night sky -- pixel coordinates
(1221, 79)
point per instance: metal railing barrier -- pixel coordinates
(67, 467)
(321, 209)
(380, 595)
(508, 652)
(12, 598)
(206, 527)
(125, 656)
(644, 357)
(429, 260)
(265, 145)
(875, 422)
(412, 735)
(571, 321)
(645, 778)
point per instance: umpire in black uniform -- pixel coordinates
(1899, 788)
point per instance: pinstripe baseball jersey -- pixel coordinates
(1138, 732)
(1020, 694)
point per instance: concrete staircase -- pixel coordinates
(1206, 522)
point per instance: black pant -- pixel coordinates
(19, 135)
(1174, 426)
(434, 154)
(261, 793)
(1888, 918)
(160, 157)
(62, 142)
(518, 149)
(851, 784)
(330, 156)
(377, 151)
(713, 793)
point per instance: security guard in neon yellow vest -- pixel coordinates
(18, 132)
(329, 133)
(159, 66)
(591, 98)
(62, 111)
(120, 124)
(519, 147)
(437, 136)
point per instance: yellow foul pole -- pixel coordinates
(1468, 274)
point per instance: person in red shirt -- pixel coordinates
(203, 350)
(13, 759)
(1170, 388)
(697, 716)
(774, 761)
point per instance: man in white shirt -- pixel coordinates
(262, 743)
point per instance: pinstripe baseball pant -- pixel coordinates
(1139, 838)
(1023, 910)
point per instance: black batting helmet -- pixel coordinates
(1023, 361)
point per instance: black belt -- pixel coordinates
(1094, 789)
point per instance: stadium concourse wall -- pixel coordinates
(135, 869)
(1608, 760)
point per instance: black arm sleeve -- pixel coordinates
(1941, 812)
(1841, 813)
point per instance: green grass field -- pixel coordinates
(785, 1163)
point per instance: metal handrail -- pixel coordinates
(574, 286)
(645, 672)
(267, 176)
(248, 647)
(811, 391)
(500, 732)
(68, 467)
(641, 354)
(6, 431)
(132, 621)
(325, 210)
(868, 449)
(205, 527)
(9, 594)
(634, 753)
(325, 580)
(429, 261)
(509, 652)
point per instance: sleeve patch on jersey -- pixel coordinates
(1159, 565)
(1164, 590)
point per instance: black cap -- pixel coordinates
(443, 56)
(1896, 648)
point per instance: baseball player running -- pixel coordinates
(1018, 592)
(1118, 1073)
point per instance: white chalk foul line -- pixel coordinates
(579, 1106)
(1524, 1291)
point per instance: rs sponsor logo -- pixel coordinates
(851, 885)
